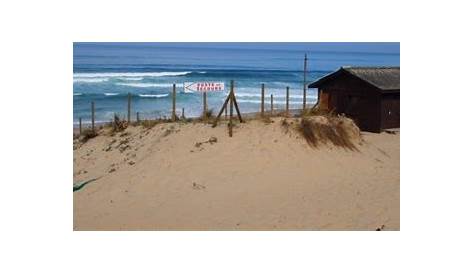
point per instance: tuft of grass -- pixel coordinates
(118, 124)
(266, 120)
(320, 111)
(339, 131)
(149, 124)
(307, 130)
(344, 137)
(304, 113)
(285, 125)
(207, 115)
(87, 134)
(317, 111)
(281, 113)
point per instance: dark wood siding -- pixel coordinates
(356, 99)
(324, 100)
(390, 109)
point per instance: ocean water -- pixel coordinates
(106, 72)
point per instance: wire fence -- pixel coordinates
(269, 105)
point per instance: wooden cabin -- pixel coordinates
(369, 95)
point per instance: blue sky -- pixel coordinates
(374, 47)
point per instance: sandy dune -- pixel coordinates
(260, 179)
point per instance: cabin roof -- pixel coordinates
(383, 78)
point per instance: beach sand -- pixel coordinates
(260, 179)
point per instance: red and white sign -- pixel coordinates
(204, 86)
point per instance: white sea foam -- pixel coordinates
(77, 94)
(145, 85)
(111, 94)
(130, 74)
(131, 78)
(87, 80)
(154, 95)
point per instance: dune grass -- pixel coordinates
(285, 125)
(207, 115)
(118, 124)
(336, 130)
(87, 134)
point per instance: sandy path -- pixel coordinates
(261, 179)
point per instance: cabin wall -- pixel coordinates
(390, 109)
(356, 99)
(323, 100)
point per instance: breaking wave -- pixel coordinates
(153, 95)
(145, 85)
(130, 74)
(131, 78)
(87, 80)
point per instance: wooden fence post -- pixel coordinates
(262, 107)
(225, 113)
(287, 101)
(231, 110)
(80, 126)
(173, 115)
(182, 113)
(304, 82)
(93, 116)
(204, 105)
(271, 104)
(129, 107)
(233, 102)
(138, 117)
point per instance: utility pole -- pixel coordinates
(304, 81)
